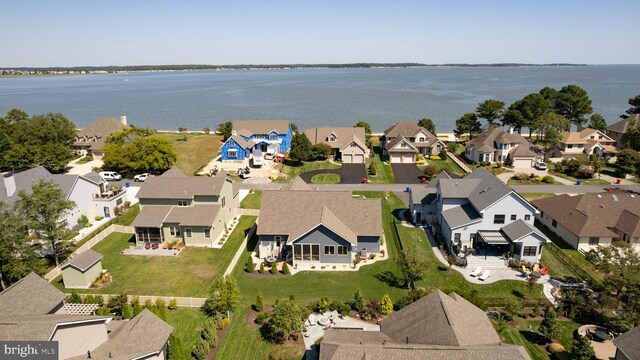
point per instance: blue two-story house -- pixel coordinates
(268, 136)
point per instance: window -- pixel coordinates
(183, 203)
(403, 144)
(530, 251)
(232, 153)
(353, 144)
(278, 240)
(273, 137)
(513, 217)
(222, 201)
(172, 230)
(329, 250)
(343, 250)
(554, 223)
(421, 139)
(232, 143)
(309, 252)
(457, 237)
(119, 202)
(332, 138)
(207, 232)
(297, 252)
(594, 240)
(527, 217)
(569, 146)
(592, 137)
(187, 232)
(498, 219)
(600, 137)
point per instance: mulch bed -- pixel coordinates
(221, 333)
(266, 273)
(251, 316)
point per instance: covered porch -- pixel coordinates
(149, 235)
(492, 243)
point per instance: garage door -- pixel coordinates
(395, 158)
(347, 158)
(407, 158)
(358, 159)
(522, 163)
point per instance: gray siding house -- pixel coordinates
(307, 228)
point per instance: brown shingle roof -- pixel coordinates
(589, 214)
(395, 141)
(171, 187)
(296, 212)
(101, 128)
(484, 142)
(250, 127)
(344, 136)
(408, 129)
(625, 124)
(83, 261)
(173, 173)
(31, 295)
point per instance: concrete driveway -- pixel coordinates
(80, 169)
(407, 173)
(349, 173)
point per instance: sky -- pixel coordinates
(43, 33)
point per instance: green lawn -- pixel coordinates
(535, 195)
(85, 159)
(524, 332)
(187, 325)
(293, 168)
(188, 274)
(384, 173)
(447, 165)
(326, 179)
(513, 181)
(582, 181)
(245, 342)
(252, 200)
(194, 153)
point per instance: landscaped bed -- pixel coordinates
(380, 172)
(326, 179)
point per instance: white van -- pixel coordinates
(110, 176)
(256, 160)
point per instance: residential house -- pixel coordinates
(627, 345)
(478, 211)
(402, 141)
(436, 326)
(616, 130)
(496, 145)
(311, 228)
(268, 136)
(347, 143)
(91, 138)
(81, 270)
(587, 141)
(92, 195)
(194, 210)
(588, 220)
(34, 310)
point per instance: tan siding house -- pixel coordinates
(347, 143)
(82, 270)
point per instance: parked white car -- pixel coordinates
(540, 165)
(110, 176)
(141, 177)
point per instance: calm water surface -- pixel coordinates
(309, 98)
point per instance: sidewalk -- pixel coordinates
(240, 251)
(82, 169)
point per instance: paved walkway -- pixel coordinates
(240, 251)
(80, 169)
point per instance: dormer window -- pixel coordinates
(353, 144)
(592, 137)
(421, 139)
(332, 137)
(600, 137)
(273, 137)
(232, 143)
(403, 144)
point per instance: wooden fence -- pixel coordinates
(184, 302)
(458, 161)
(89, 244)
(570, 263)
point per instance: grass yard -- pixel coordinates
(582, 181)
(326, 179)
(245, 342)
(384, 173)
(194, 153)
(535, 195)
(513, 181)
(252, 200)
(292, 168)
(524, 332)
(447, 165)
(187, 324)
(188, 274)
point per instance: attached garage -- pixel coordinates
(402, 157)
(353, 158)
(408, 158)
(522, 162)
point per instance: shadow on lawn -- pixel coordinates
(533, 337)
(390, 279)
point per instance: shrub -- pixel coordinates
(435, 157)
(584, 172)
(520, 176)
(127, 312)
(485, 163)
(403, 302)
(555, 348)
(209, 333)
(74, 298)
(372, 170)
(357, 303)
(342, 308)
(497, 165)
(83, 221)
(103, 311)
(324, 304)
(201, 350)
(173, 304)
(285, 269)
(386, 305)
(274, 268)
(262, 318)
(443, 154)
(548, 179)
(261, 269)
(430, 171)
(259, 305)
(98, 218)
(135, 302)
(206, 130)
(251, 266)
(512, 309)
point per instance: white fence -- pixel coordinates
(457, 160)
(183, 302)
(91, 243)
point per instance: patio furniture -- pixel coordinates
(147, 246)
(476, 272)
(485, 275)
(154, 246)
(270, 260)
(601, 335)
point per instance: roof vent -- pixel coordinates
(615, 197)
(599, 195)
(632, 196)
(485, 190)
(601, 206)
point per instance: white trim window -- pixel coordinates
(329, 250)
(343, 250)
(174, 230)
(187, 232)
(232, 153)
(232, 144)
(183, 203)
(207, 232)
(273, 137)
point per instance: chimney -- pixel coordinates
(9, 183)
(123, 120)
(511, 128)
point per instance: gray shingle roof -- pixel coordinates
(344, 136)
(31, 295)
(460, 215)
(83, 261)
(151, 216)
(458, 188)
(174, 172)
(250, 127)
(101, 128)
(625, 124)
(299, 184)
(519, 229)
(489, 190)
(629, 343)
(296, 212)
(24, 180)
(440, 319)
(173, 187)
(397, 351)
(197, 215)
(39, 327)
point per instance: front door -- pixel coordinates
(263, 148)
(107, 212)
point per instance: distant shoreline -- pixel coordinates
(100, 70)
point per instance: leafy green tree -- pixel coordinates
(635, 105)
(573, 103)
(550, 94)
(365, 125)
(225, 129)
(358, 300)
(428, 124)
(549, 121)
(413, 263)
(294, 128)
(300, 147)
(628, 162)
(286, 318)
(44, 210)
(582, 349)
(224, 295)
(430, 171)
(320, 152)
(597, 121)
(386, 305)
(285, 269)
(549, 327)
(127, 312)
(17, 115)
(620, 266)
(259, 305)
(118, 303)
(631, 139)
(162, 309)
(261, 269)
(138, 150)
(17, 255)
(176, 348)
(210, 333)
(491, 110)
(526, 111)
(467, 124)
(274, 269)
(54, 157)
